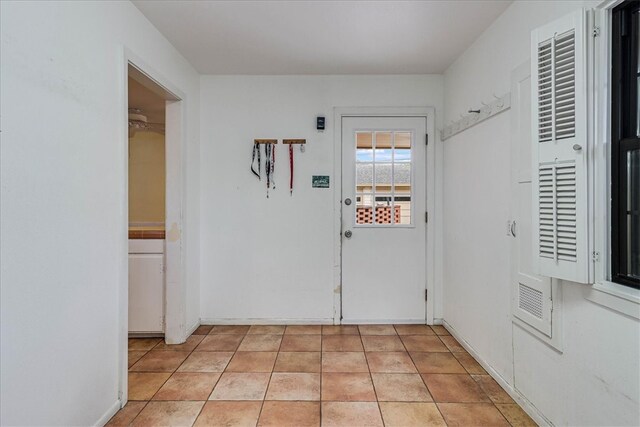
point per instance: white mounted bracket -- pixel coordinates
(497, 106)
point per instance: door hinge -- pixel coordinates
(596, 31)
(426, 139)
(426, 217)
(425, 295)
(595, 256)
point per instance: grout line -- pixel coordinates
(371, 378)
(270, 377)
(321, 373)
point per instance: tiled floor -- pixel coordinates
(370, 375)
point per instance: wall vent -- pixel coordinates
(530, 300)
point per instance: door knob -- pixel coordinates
(577, 147)
(348, 234)
(347, 202)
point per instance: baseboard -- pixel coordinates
(526, 405)
(438, 321)
(383, 321)
(262, 321)
(110, 413)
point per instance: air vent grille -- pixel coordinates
(530, 300)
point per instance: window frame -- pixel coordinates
(624, 138)
(604, 292)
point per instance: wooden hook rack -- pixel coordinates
(265, 141)
(294, 141)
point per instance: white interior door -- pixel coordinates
(531, 293)
(383, 219)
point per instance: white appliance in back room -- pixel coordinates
(146, 210)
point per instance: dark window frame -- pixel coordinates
(624, 138)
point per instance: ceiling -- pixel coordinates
(321, 37)
(151, 104)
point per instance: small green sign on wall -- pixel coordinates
(320, 181)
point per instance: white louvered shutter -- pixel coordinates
(559, 126)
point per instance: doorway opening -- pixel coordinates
(153, 295)
(147, 195)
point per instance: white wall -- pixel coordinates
(64, 220)
(595, 380)
(272, 259)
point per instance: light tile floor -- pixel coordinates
(369, 375)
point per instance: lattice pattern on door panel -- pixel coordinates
(364, 214)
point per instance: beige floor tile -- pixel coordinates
(293, 386)
(135, 355)
(143, 343)
(437, 363)
(241, 386)
(347, 387)
(340, 330)
(350, 414)
(469, 363)
(400, 388)
(191, 343)
(230, 329)
(472, 414)
(266, 329)
(404, 414)
(252, 361)
(188, 386)
(125, 415)
(390, 362)
(307, 361)
(227, 414)
(301, 343)
(220, 343)
(414, 330)
(143, 385)
(492, 389)
(290, 414)
(168, 414)
(377, 330)
(344, 362)
(515, 415)
(440, 330)
(454, 388)
(303, 330)
(426, 343)
(341, 343)
(382, 343)
(260, 343)
(452, 344)
(202, 330)
(160, 361)
(206, 361)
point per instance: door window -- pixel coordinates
(383, 178)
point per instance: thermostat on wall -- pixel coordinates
(320, 123)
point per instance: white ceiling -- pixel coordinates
(321, 37)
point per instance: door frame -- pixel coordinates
(175, 281)
(429, 114)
